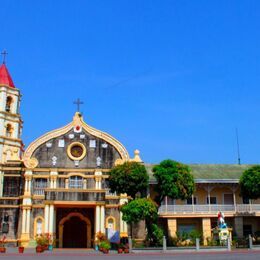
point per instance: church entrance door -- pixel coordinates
(75, 231)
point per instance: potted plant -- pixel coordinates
(42, 241)
(105, 245)
(20, 247)
(100, 237)
(126, 248)
(2, 245)
(120, 248)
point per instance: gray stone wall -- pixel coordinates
(45, 153)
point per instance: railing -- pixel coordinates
(109, 193)
(75, 195)
(213, 208)
(39, 191)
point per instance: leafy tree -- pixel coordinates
(130, 178)
(140, 209)
(147, 210)
(174, 180)
(250, 183)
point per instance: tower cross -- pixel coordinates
(78, 102)
(4, 53)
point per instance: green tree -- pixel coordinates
(174, 180)
(130, 178)
(144, 209)
(250, 183)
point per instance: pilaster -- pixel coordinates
(98, 180)
(172, 227)
(28, 183)
(97, 219)
(53, 179)
(1, 183)
(238, 225)
(122, 223)
(206, 228)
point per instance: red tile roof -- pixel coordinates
(5, 78)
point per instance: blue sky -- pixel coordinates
(171, 78)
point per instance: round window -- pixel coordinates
(76, 151)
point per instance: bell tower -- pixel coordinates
(10, 119)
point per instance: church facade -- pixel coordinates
(58, 185)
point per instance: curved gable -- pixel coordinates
(37, 153)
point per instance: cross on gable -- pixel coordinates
(78, 102)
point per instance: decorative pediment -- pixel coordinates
(78, 126)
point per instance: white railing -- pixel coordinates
(109, 193)
(38, 191)
(213, 208)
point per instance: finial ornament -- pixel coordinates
(4, 53)
(137, 157)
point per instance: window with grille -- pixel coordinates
(76, 182)
(39, 186)
(11, 187)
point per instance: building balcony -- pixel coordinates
(228, 210)
(76, 195)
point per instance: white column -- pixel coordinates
(26, 186)
(46, 218)
(54, 221)
(100, 184)
(125, 227)
(29, 186)
(51, 215)
(84, 184)
(209, 199)
(98, 175)
(192, 201)
(24, 221)
(51, 183)
(1, 183)
(234, 200)
(28, 218)
(28, 182)
(102, 219)
(97, 219)
(55, 183)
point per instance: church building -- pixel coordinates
(58, 185)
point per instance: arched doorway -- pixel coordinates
(75, 231)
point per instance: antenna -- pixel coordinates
(238, 150)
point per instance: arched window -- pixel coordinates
(9, 101)
(9, 130)
(76, 182)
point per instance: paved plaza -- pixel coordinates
(84, 254)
